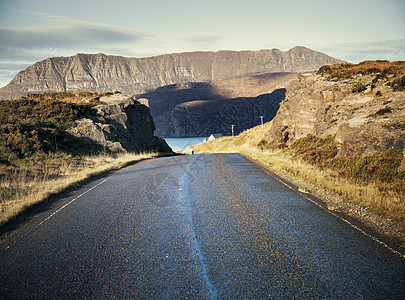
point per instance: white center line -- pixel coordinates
(58, 210)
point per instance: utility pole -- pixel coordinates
(261, 118)
(232, 128)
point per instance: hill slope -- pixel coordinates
(362, 105)
(49, 142)
(103, 73)
(39, 126)
(200, 109)
(193, 110)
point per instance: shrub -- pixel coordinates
(358, 86)
(399, 84)
(324, 70)
(382, 167)
(315, 150)
(263, 144)
(382, 69)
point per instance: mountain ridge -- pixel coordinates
(130, 75)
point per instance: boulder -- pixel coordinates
(122, 124)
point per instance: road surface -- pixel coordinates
(209, 226)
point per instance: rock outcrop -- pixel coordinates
(122, 124)
(366, 121)
(104, 73)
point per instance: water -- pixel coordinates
(182, 143)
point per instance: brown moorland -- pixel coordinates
(37, 155)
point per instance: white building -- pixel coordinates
(214, 136)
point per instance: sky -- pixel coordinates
(352, 30)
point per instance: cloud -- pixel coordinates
(6, 67)
(64, 32)
(61, 36)
(356, 52)
(202, 41)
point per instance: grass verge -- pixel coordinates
(34, 182)
(371, 183)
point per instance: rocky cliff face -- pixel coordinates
(365, 120)
(200, 109)
(102, 73)
(196, 111)
(122, 124)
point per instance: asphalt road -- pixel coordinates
(194, 227)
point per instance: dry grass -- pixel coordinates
(392, 73)
(370, 196)
(39, 158)
(32, 184)
(386, 68)
(373, 196)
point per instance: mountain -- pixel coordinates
(105, 73)
(204, 117)
(200, 109)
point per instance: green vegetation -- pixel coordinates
(358, 86)
(315, 150)
(379, 168)
(36, 128)
(373, 182)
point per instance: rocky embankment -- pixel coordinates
(362, 106)
(106, 73)
(121, 124)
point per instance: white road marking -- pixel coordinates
(73, 200)
(346, 221)
(57, 211)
